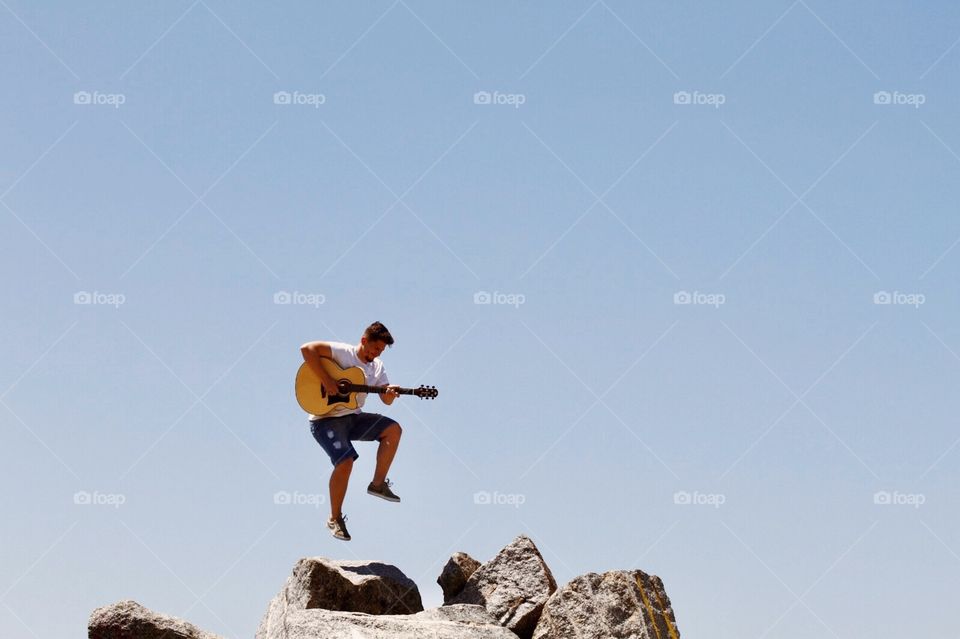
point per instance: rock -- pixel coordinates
(455, 574)
(348, 586)
(448, 622)
(512, 595)
(513, 586)
(621, 604)
(129, 620)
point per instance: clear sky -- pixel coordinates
(718, 242)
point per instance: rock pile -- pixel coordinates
(514, 595)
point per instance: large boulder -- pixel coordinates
(129, 620)
(455, 574)
(621, 604)
(348, 586)
(448, 622)
(513, 586)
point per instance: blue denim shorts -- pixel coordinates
(335, 434)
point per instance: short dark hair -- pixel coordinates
(378, 333)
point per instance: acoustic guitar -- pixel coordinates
(314, 399)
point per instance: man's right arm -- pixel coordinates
(312, 353)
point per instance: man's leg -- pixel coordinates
(389, 440)
(339, 479)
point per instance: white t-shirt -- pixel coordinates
(345, 355)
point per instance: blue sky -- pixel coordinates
(717, 241)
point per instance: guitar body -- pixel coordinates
(314, 399)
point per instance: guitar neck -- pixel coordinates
(363, 388)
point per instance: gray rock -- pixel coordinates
(455, 573)
(621, 604)
(348, 586)
(129, 620)
(513, 586)
(449, 622)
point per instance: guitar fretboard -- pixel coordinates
(363, 388)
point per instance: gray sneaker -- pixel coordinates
(382, 491)
(338, 527)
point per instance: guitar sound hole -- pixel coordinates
(337, 399)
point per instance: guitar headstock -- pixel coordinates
(426, 392)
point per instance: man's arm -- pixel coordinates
(391, 394)
(388, 397)
(312, 353)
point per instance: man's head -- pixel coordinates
(375, 338)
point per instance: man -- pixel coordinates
(336, 431)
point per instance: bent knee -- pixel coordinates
(346, 463)
(393, 431)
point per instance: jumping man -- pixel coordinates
(336, 431)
